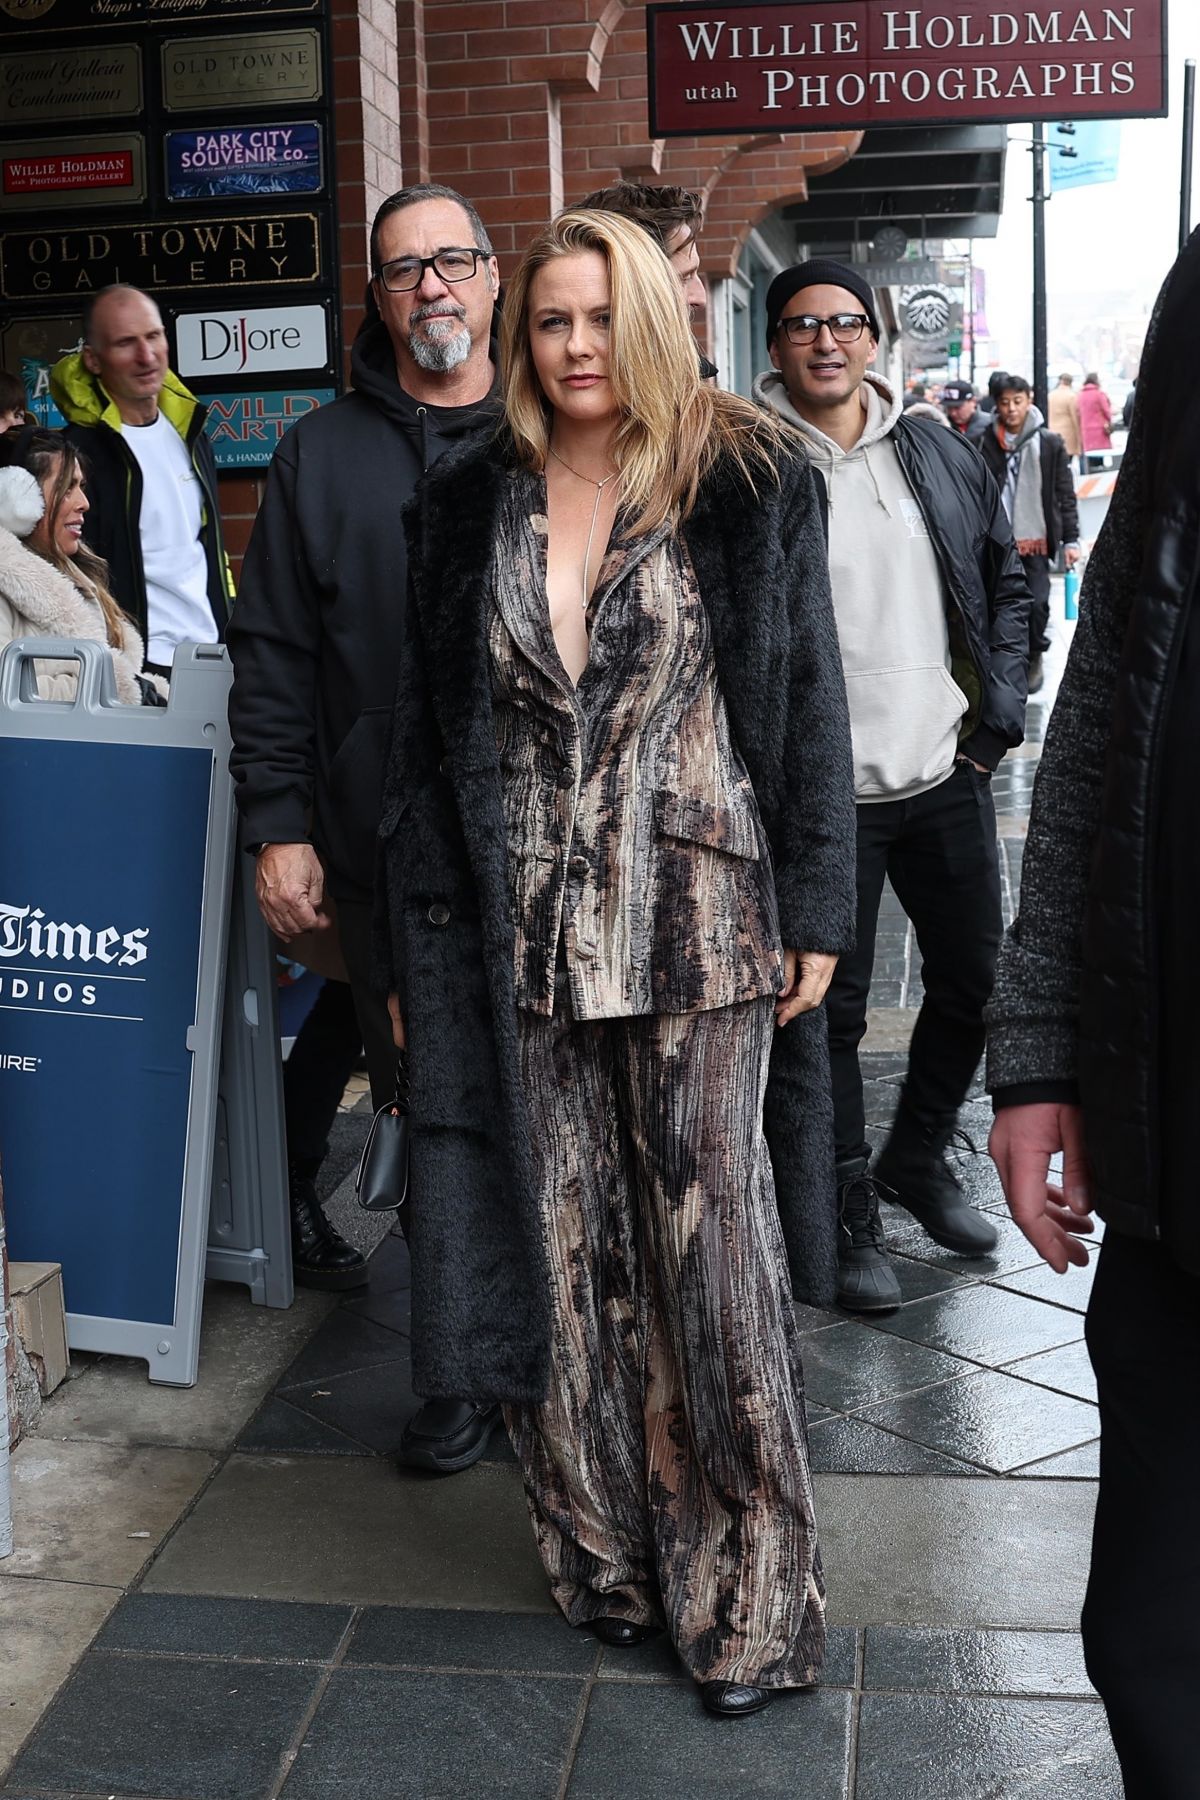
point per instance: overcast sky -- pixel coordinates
(1121, 235)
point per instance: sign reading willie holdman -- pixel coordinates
(838, 65)
(253, 251)
(80, 15)
(245, 429)
(71, 172)
(223, 162)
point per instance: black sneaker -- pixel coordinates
(913, 1167)
(866, 1279)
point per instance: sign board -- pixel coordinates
(71, 172)
(51, 86)
(252, 343)
(1097, 156)
(245, 429)
(252, 250)
(30, 348)
(837, 65)
(245, 162)
(280, 67)
(83, 15)
(931, 316)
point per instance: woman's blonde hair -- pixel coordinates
(87, 571)
(673, 425)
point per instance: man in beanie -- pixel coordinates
(960, 403)
(316, 644)
(933, 617)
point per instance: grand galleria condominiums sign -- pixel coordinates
(834, 65)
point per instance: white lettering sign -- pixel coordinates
(244, 343)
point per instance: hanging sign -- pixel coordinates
(281, 67)
(249, 251)
(245, 429)
(81, 15)
(52, 86)
(71, 172)
(838, 65)
(224, 162)
(248, 343)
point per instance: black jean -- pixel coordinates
(1037, 574)
(1141, 1618)
(939, 852)
(343, 1021)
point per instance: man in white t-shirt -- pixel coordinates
(151, 476)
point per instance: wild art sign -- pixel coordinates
(821, 65)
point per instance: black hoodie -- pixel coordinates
(315, 635)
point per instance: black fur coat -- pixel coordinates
(480, 1300)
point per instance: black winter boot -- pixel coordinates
(912, 1164)
(866, 1280)
(321, 1257)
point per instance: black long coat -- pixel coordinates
(480, 1295)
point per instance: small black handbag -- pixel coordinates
(382, 1180)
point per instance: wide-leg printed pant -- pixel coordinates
(667, 1473)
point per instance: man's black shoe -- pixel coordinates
(913, 1166)
(447, 1435)
(866, 1279)
(321, 1257)
(734, 1699)
(622, 1634)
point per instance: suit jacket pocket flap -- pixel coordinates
(717, 827)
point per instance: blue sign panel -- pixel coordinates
(244, 161)
(99, 953)
(246, 428)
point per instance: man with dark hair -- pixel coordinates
(672, 216)
(316, 643)
(1033, 473)
(932, 614)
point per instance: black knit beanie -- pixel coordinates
(819, 271)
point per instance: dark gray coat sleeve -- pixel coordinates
(1002, 720)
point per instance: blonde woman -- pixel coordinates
(618, 853)
(51, 584)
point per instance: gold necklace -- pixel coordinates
(599, 487)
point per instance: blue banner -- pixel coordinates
(244, 161)
(100, 913)
(244, 429)
(1097, 147)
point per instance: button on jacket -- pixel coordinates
(634, 837)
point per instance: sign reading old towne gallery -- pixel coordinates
(183, 147)
(818, 65)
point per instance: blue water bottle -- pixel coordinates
(1071, 593)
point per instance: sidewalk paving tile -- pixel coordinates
(1080, 1464)
(854, 1366)
(1037, 1749)
(1068, 1370)
(1013, 1250)
(852, 1447)
(420, 1736)
(990, 1418)
(1048, 1663)
(166, 1727)
(918, 1280)
(371, 1406)
(644, 1742)
(949, 1551)
(345, 1343)
(984, 1324)
(280, 1426)
(351, 1530)
(94, 1512)
(209, 1625)
(655, 1660)
(45, 1627)
(485, 1642)
(1042, 1283)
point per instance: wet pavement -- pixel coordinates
(306, 1622)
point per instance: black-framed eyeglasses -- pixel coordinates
(408, 272)
(805, 328)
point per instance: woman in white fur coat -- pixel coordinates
(51, 584)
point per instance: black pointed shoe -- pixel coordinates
(866, 1279)
(321, 1257)
(622, 1634)
(448, 1435)
(912, 1165)
(734, 1699)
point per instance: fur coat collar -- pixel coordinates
(42, 602)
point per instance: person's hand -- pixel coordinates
(394, 1013)
(982, 767)
(806, 976)
(289, 884)
(1071, 555)
(1053, 1218)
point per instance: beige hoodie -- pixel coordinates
(905, 707)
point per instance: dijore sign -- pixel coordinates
(845, 64)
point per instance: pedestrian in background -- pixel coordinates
(933, 619)
(1062, 416)
(1093, 1052)
(12, 402)
(316, 645)
(152, 478)
(618, 840)
(1095, 420)
(1031, 470)
(960, 405)
(672, 216)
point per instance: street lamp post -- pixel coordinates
(1040, 354)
